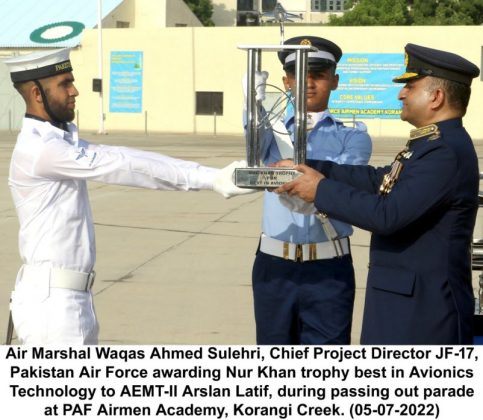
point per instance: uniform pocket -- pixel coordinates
(393, 280)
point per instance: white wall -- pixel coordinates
(180, 61)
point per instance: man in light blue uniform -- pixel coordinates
(303, 278)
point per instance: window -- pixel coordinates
(268, 5)
(328, 5)
(247, 19)
(335, 5)
(209, 103)
(245, 5)
(247, 14)
(122, 24)
(319, 5)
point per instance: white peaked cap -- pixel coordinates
(39, 65)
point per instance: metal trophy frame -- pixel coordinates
(255, 175)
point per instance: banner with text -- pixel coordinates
(365, 87)
(126, 84)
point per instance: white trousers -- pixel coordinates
(52, 316)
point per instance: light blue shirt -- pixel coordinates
(328, 140)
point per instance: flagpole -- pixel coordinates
(100, 57)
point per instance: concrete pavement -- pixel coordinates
(174, 267)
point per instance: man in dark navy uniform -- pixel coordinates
(421, 210)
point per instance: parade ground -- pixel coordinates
(175, 267)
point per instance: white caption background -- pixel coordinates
(218, 382)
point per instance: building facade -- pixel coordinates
(248, 12)
(187, 78)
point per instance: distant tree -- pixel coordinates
(410, 12)
(447, 12)
(373, 12)
(203, 10)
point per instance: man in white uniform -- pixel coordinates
(52, 301)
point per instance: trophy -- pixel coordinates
(255, 175)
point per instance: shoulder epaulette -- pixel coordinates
(430, 130)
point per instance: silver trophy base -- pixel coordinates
(264, 177)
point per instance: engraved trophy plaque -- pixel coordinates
(255, 175)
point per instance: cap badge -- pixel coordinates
(305, 42)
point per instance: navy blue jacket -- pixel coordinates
(419, 283)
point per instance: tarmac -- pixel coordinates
(175, 267)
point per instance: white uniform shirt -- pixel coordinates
(47, 179)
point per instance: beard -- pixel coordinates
(60, 110)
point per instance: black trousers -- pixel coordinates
(303, 302)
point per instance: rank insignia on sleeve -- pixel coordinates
(392, 176)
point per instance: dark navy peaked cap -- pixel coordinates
(328, 54)
(423, 61)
